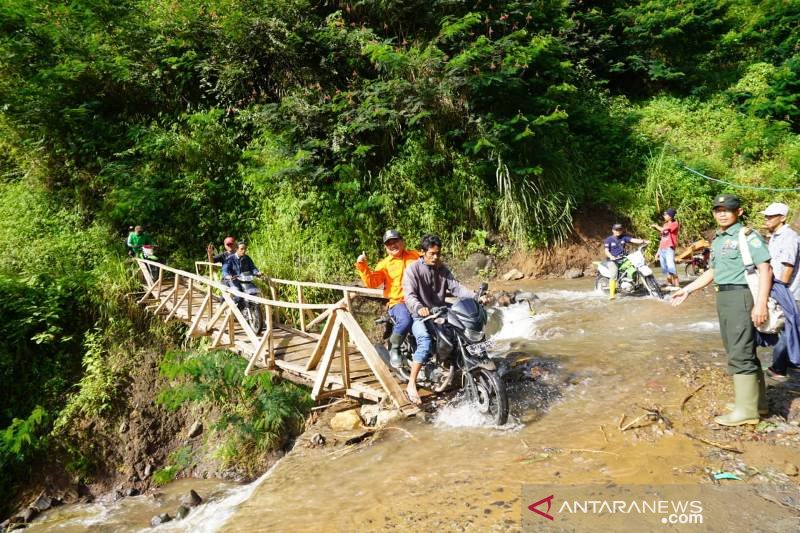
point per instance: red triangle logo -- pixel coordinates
(533, 507)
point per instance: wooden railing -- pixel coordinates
(175, 290)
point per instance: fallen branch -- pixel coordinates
(603, 430)
(635, 421)
(712, 443)
(683, 403)
(580, 450)
(621, 420)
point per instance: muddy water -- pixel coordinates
(594, 360)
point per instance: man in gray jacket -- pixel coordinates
(426, 283)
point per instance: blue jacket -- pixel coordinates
(233, 266)
(791, 328)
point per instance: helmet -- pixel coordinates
(391, 234)
(617, 226)
(229, 240)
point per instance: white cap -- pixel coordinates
(776, 208)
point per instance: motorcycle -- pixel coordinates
(633, 274)
(148, 252)
(252, 311)
(698, 263)
(459, 356)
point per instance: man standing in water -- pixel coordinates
(667, 246)
(426, 283)
(785, 259)
(738, 313)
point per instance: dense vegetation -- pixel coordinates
(309, 127)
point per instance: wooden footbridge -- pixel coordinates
(339, 360)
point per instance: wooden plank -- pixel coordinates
(302, 311)
(375, 362)
(215, 340)
(214, 319)
(196, 321)
(163, 302)
(321, 344)
(325, 314)
(327, 358)
(345, 359)
(177, 305)
(189, 302)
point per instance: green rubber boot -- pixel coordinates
(763, 405)
(746, 393)
(395, 359)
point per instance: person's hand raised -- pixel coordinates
(362, 258)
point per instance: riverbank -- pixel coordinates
(622, 392)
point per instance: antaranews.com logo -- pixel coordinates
(673, 508)
(674, 512)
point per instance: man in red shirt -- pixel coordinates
(667, 246)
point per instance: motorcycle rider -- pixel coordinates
(389, 273)
(229, 245)
(235, 264)
(614, 248)
(137, 239)
(426, 283)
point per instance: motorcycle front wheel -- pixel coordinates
(255, 318)
(652, 287)
(492, 397)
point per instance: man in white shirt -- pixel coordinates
(784, 251)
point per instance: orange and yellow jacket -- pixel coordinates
(389, 273)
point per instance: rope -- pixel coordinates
(738, 186)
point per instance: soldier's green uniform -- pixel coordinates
(734, 300)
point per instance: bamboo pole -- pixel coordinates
(302, 311)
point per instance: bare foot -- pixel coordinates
(413, 396)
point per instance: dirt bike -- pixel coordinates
(633, 274)
(252, 311)
(148, 251)
(698, 263)
(459, 356)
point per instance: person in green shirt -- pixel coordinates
(738, 313)
(137, 239)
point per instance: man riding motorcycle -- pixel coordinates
(137, 240)
(389, 273)
(426, 283)
(614, 248)
(236, 264)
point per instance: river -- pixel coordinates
(594, 360)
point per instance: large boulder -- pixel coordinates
(346, 421)
(573, 273)
(513, 275)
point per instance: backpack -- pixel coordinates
(775, 318)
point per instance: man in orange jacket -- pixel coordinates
(389, 273)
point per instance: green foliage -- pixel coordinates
(255, 414)
(178, 460)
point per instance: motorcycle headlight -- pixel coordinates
(473, 336)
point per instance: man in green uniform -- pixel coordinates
(738, 314)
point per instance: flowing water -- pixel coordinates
(593, 360)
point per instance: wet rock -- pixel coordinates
(29, 514)
(791, 470)
(318, 440)
(346, 421)
(42, 503)
(375, 415)
(513, 275)
(157, 520)
(192, 499)
(148, 469)
(195, 430)
(573, 273)
(132, 492)
(181, 512)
